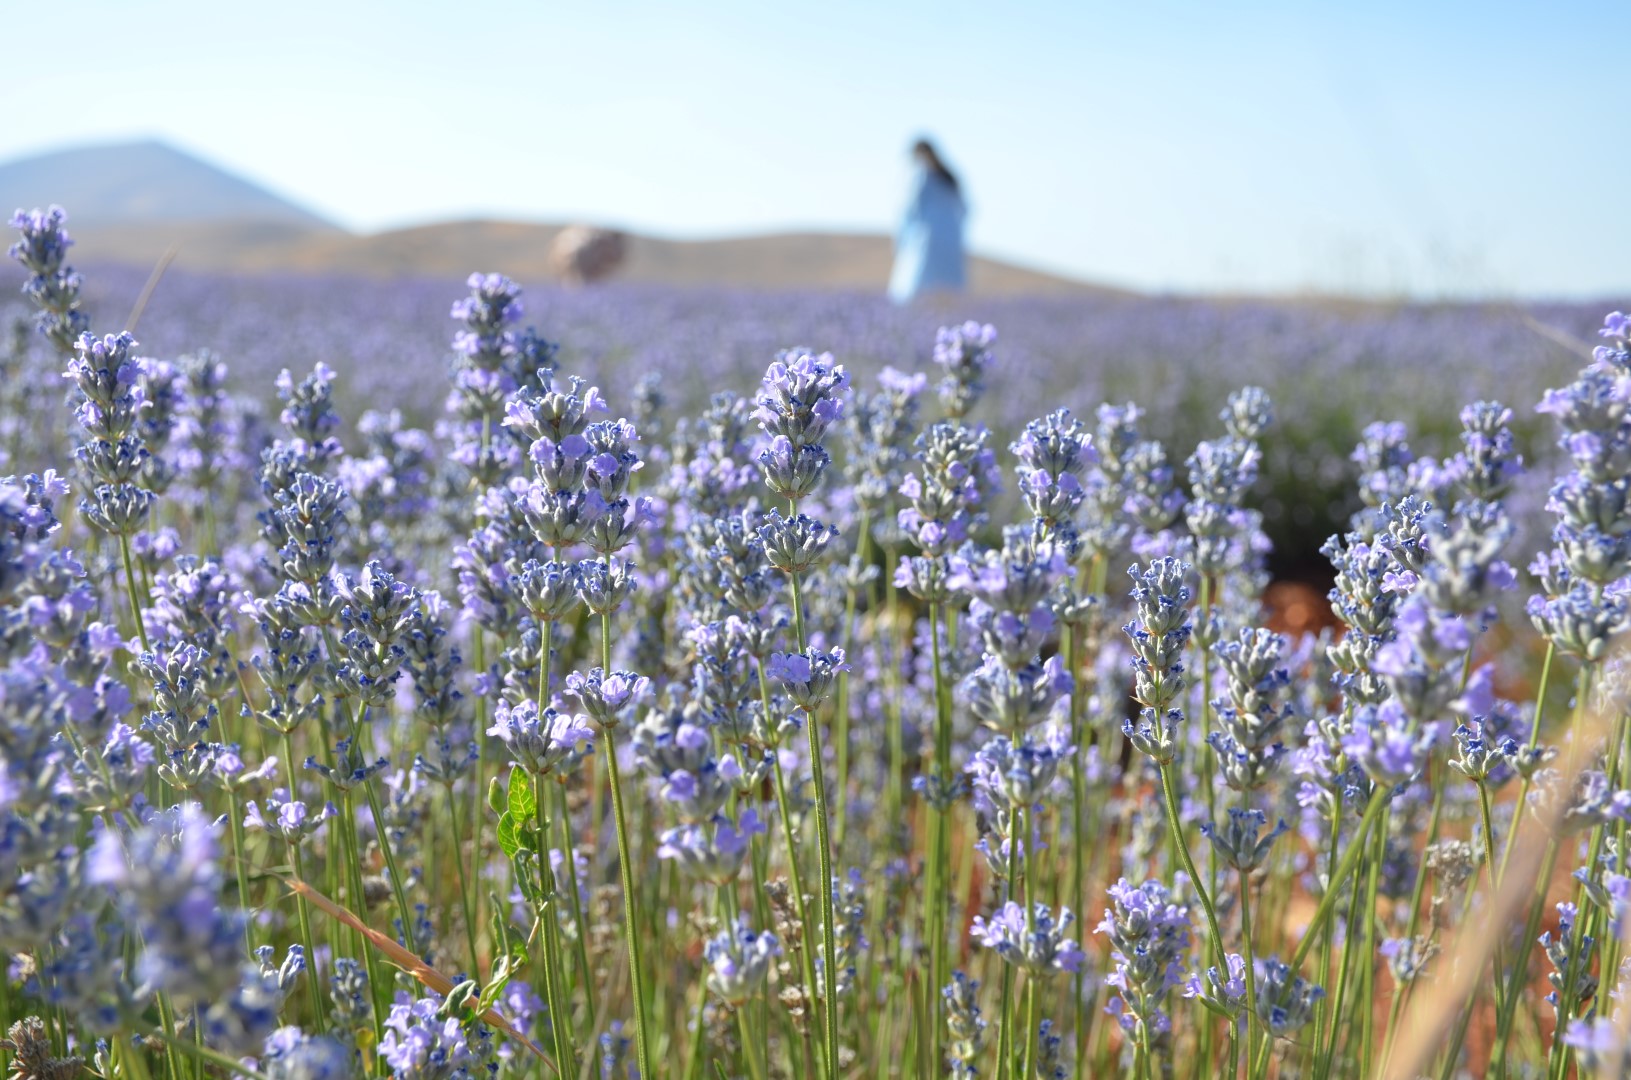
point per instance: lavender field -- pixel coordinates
(441, 680)
(1335, 366)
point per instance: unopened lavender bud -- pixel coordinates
(603, 585)
(807, 677)
(1241, 843)
(794, 545)
(606, 698)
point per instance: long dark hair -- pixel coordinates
(925, 151)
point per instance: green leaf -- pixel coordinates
(523, 804)
(496, 982)
(509, 839)
(524, 864)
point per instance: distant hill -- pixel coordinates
(130, 202)
(521, 249)
(149, 181)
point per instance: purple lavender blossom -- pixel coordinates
(542, 743)
(1039, 945)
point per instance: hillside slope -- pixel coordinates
(453, 249)
(131, 202)
(148, 181)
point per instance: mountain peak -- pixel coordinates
(144, 181)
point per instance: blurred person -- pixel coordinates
(929, 245)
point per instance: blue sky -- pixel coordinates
(1438, 148)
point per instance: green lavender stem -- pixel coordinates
(630, 915)
(1029, 1040)
(1005, 1037)
(829, 944)
(351, 862)
(1320, 1011)
(1534, 737)
(1520, 967)
(1611, 947)
(1367, 974)
(1558, 1063)
(240, 872)
(464, 884)
(1175, 825)
(693, 1060)
(383, 832)
(560, 1025)
(1342, 982)
(1078, 841)
(1402, 993)
(319, 1002)
(585, 972)
(130, 592)
(807, 928)
(1452, 1052)
(202, 1053)
(863, 551)
(625, 861)
(357, 724)
(938, 840)
(1253, 1023)
(479, 788)
(891, 674)
(1205, 763)
(1350, 859)
(1180, 842)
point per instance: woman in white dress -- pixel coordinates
(929, 245)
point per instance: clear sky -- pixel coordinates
(1433, 147)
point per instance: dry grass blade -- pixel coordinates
(152, 283)
(1429, 1016)
(619, 986)
(407, 961)
(1622, 1015)
(1466, 960)
(1582, 349)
